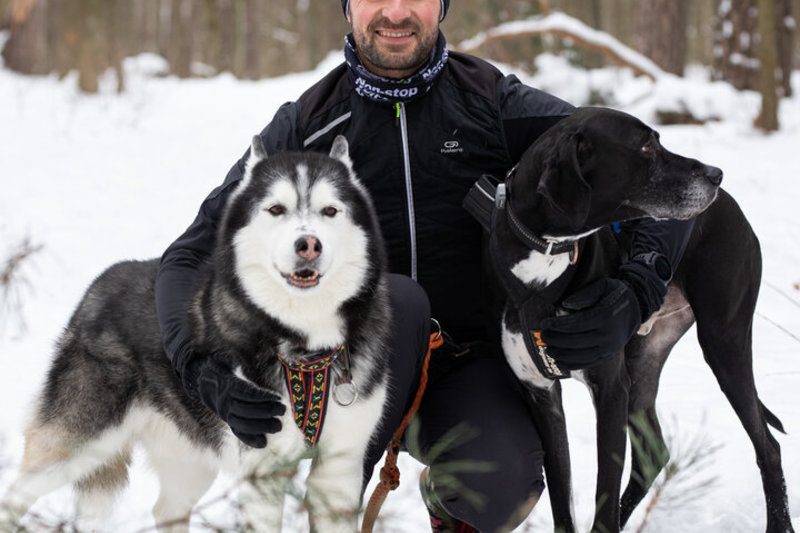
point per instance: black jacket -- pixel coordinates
(418, 161)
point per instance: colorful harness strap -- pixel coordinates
(308, 390)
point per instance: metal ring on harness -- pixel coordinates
(438, 330)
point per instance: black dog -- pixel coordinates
(550, 234)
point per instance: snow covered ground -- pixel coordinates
(97, 179)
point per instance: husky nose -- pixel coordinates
(714, 175)
(308, 247)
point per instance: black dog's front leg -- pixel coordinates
(548, 414)
(609, 385)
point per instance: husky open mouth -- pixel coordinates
(303, 278)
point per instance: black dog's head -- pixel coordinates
(600, 166)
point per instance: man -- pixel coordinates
(423, 124)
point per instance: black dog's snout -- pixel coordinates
(308, 247)
(714, 175)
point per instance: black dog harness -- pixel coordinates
(487, 201)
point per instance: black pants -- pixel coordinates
(475, 430)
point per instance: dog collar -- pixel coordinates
(487, 195)
(522, 232)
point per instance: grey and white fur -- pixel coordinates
(111, 386)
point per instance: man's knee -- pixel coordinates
(411, 313)
(485, 454)
(409, 300)
(494, 498)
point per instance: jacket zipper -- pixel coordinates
(412, 225)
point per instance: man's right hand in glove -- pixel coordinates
(250, 411)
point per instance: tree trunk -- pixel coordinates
(768, 118)
(179, 53)
(118, 29)
(227, 35)
(26, 48)
(86, 46)
(786, 27)
(661, 33)
(253, 52)
(735, 57)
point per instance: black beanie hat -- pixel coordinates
(445, 5)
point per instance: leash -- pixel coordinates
(390, 474)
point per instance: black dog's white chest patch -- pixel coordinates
(540, 269)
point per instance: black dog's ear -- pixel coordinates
(562, 183)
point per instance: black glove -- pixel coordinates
(250, 411)
(602, 317)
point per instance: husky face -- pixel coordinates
(300, 243)
(304, 225)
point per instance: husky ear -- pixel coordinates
(563, 185)
(257, 150)
(341, 150)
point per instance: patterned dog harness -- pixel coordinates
(308, 391)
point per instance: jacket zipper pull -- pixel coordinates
(397, 114)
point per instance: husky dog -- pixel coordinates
(296, 278)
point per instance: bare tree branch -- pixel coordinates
(566, 27)
(11, 279)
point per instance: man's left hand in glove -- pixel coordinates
(603, 315)
(601, 318)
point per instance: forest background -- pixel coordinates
(255, 39)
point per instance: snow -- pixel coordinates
(98, 179)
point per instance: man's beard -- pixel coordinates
(368, 48)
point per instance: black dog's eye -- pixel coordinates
(651, 144)
(277, 210)
(329, 211)
(584, 150)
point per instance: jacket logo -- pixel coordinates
(451, 147)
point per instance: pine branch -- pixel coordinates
(681, 480)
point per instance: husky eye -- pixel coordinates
(277, 210)
(329, 211)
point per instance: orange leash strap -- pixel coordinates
(390, 475)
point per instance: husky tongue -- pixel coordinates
(304, 278)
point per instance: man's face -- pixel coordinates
(394, 38)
